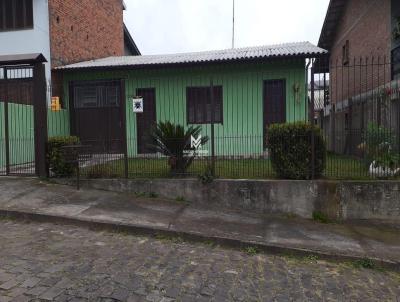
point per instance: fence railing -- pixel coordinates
(230, 107)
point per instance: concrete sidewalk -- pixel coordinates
(31, 198)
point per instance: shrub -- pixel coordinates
(173, 141)
(291, 150)
(55, 157)
(379, 145)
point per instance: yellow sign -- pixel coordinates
(55, 103)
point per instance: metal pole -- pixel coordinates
(6, 125)
(312, 124)
(212, 128)
(124, 130)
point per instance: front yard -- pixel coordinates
(337, 167)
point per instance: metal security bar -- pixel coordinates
(212, 121)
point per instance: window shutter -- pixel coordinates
(198, 102)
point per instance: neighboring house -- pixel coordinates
(363, 40)
(253, 88)
(321, 99)
(64, 31)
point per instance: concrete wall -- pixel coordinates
(339, 200)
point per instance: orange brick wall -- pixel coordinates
(85, 29)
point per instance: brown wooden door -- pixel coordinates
(97, 115)
(274, 103)
(146, 120)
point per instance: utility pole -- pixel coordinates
(233, 25)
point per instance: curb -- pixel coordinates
(188, 236)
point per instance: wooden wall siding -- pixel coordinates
(21, 136)
(58, 123)
(21, 131)
(242, 130)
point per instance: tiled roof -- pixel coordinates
(249, 53)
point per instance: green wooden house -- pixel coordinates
(240, 91)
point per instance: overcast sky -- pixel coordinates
(171, 26)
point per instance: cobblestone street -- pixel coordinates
(41, 262)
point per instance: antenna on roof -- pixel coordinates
(233, 25)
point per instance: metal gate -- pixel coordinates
(23, 120)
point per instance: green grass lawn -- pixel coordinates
(337, 167)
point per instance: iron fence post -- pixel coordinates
(40, 119)
(212, 129)
(312, 124)
(397, 96)
(6, 125)
(124, 130)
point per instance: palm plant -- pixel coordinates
(174, 141)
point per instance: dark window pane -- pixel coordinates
(97, 95)
(9, 14)
(86, 97)
(16, 14)
(19, 14)
(112, 99)
(28, 14)
(2, 14)
(199, 109)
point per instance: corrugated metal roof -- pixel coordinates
(237, 54)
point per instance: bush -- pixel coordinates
(379, 145)
(174, 141)
(291, 152)
(55, 156)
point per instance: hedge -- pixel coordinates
(55, 157)
(291, 151)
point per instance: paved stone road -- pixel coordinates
(48, 262)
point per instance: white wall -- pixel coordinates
(36, 40)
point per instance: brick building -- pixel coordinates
(64, 31)
(363, 67)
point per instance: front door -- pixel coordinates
(97, 115)
(146, 120)
(274, 103)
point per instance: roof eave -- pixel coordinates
(25, 59)
(330, 23)
(189, 64)
(131, 43)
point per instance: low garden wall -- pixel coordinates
(338, 200)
